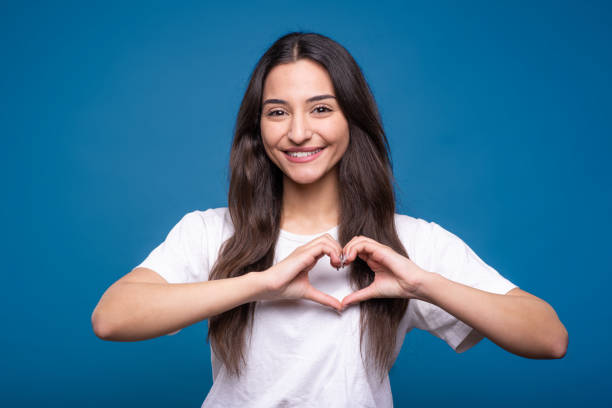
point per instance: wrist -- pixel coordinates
(258, 281)
(423, 284)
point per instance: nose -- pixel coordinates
(299, 132)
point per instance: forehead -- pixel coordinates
(300, 79)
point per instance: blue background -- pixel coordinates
(117, 120)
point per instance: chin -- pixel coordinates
(305, 179)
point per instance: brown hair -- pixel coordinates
(367, 203)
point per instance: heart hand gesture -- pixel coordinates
(288, 279)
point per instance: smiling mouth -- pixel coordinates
(303, 154)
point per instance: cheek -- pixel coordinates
(338, 131)
(268, 149)
(271, 133)
(269, 142)
(266, 138)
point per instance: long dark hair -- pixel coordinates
(367, 203)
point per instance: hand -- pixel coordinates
(288, 279)
(395, 275)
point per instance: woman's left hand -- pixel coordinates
(395, 275)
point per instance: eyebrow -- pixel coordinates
(311, 99)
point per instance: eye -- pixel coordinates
(275, 112)
(322, 109)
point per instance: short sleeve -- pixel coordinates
(182, 256)
(447, 255)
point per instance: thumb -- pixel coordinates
(358, 296)
(323, 298)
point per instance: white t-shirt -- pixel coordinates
(304, 354)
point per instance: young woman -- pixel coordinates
(309, 279)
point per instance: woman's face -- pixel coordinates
(300, 113)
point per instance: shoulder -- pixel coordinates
(412, 228)
(408, 224)
(208, 215)
(210, 219)
(422, 238)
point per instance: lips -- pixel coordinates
(303, 153)
(304, 149)
(304, 158)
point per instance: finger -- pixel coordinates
(335, 244)
(376, 251)
(310, 255)
(327, 238)
(348, 244)
(349, 247)
(358, 296)
(323, 298)
(323, 247)
(362, 245)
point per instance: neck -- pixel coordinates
(311, 208)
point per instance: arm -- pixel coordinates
(142, 305)
(519, 322)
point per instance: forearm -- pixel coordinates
(525, 326)
(132, 311)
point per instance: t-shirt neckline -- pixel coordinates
(307, 237)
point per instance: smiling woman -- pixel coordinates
(309, 279)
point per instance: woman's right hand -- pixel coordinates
(288, 279)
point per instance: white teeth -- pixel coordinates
(303, 154)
